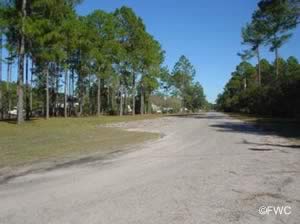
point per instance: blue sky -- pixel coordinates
(207, 32)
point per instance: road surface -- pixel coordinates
(205, 169)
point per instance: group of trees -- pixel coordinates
(182, 84)
(266, 89)
(73, 65)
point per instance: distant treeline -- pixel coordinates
(276, 96)
(271, 89)
(71, 65)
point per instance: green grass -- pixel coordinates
(289, 128)
(60, 138)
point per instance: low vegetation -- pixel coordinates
(276, 96)
(59, 138)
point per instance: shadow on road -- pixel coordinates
(288, 128)
(293, 146)
(257, 130)
(260, 149)
(237, 127)
(65, 164)
(200, 116)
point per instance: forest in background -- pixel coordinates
(268, 88)
(71, 65)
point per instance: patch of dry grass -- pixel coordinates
(57, 138)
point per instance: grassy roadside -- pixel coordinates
(288, 128)
(59, 138)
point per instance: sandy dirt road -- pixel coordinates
(205, 169)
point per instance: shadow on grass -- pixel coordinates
(9, 121)
(14, 121)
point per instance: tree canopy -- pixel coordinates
(277, 91)
(104, 62)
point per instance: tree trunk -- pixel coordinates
(66, 94)
(121, 106)
(89, 95)
(31, 81)
(112, 100)
(133, 94)
(259, 68)
(108, 99)
(80, 95)
(125, 110)
(149, 105)
(142, 99)
(21, 53)
(47, 92)
(56, 92)
(121, 102)
(27, 90)
(69, 93)
(98, 96)
(1, 107)
(277, 62)
(8, 85)
(72, 83)
(80, 107)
